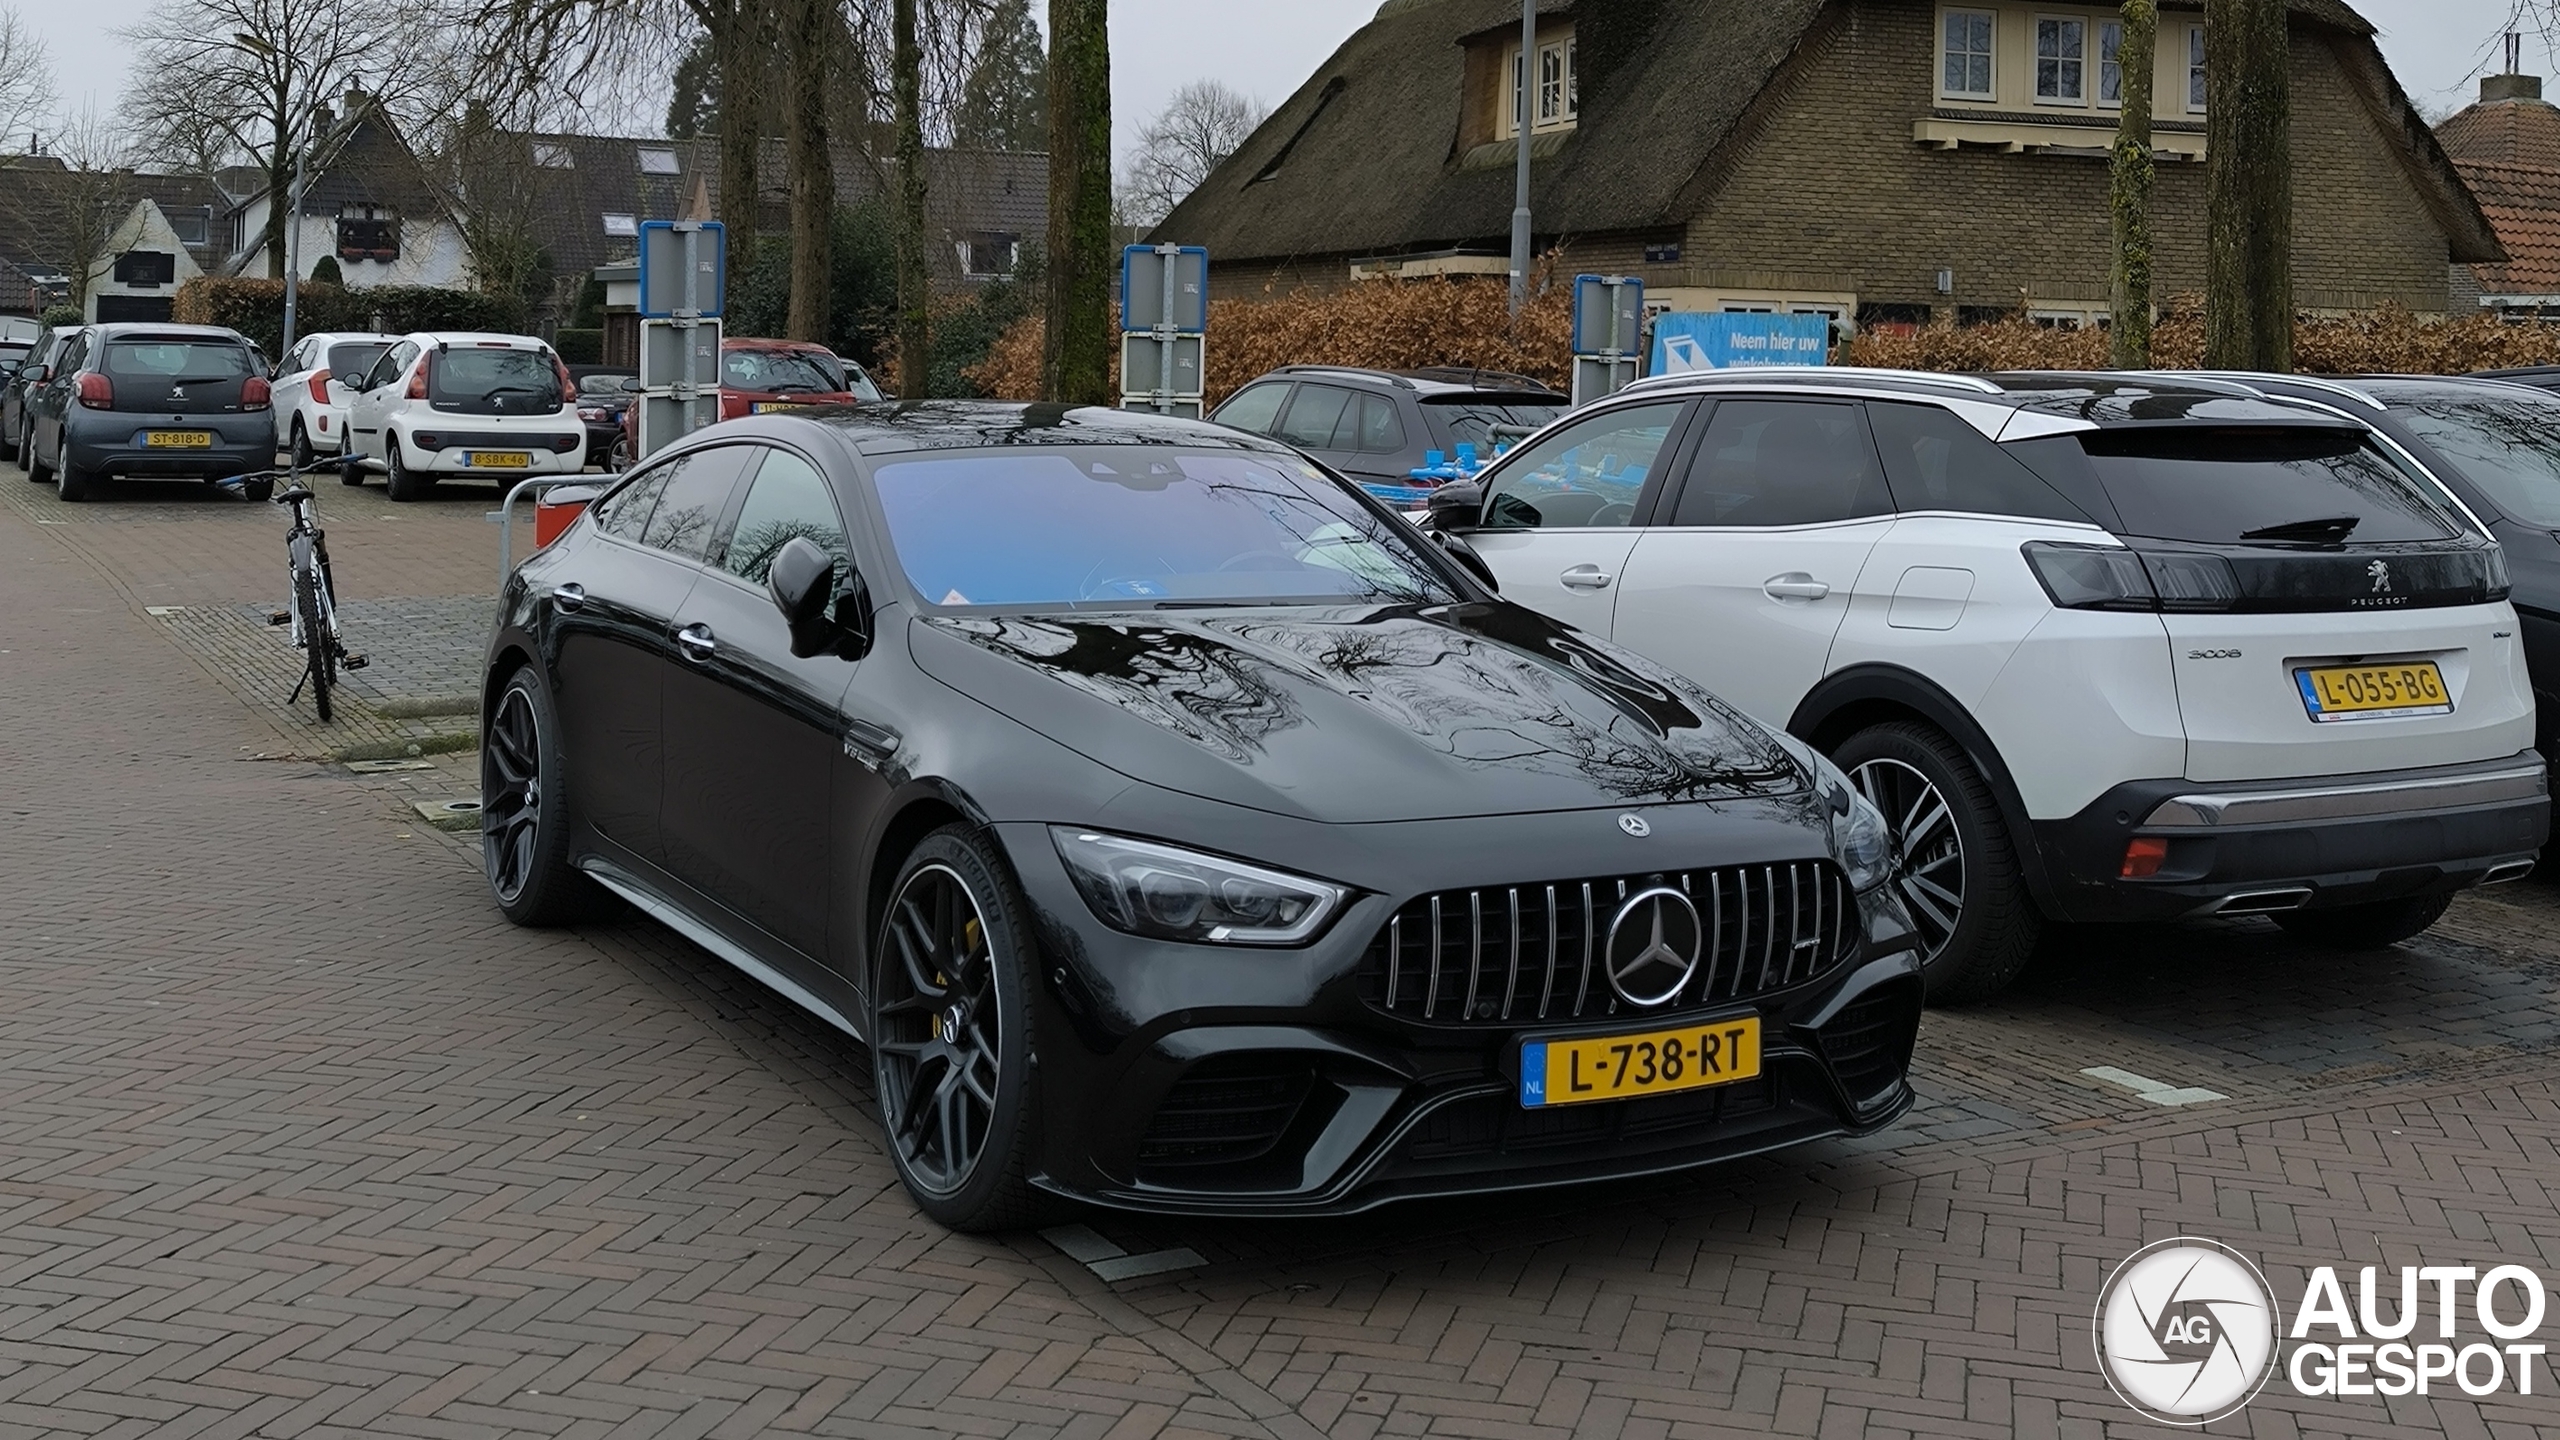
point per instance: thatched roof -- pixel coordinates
(1363, 158)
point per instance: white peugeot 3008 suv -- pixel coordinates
(2101, 648)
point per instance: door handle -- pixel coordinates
(569, 597)
(1794, 585)
(1585, 577)
(696, 642)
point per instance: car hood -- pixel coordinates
(1350, 715)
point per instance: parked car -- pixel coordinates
(311, 390)
(1179, 853)
(149, 401)
(444, 404)
(14, 419)
(605, 395)
(764, 377)
(1378, 426)
(2102, 647)
(2496, 445)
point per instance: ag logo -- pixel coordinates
(2186, 1331)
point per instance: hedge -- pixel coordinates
(255, 308)
(579, 347)
(2371, 342)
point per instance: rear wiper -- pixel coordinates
(2328, 531)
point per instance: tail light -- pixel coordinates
(568, 387)
(256, 393)
(2104, 577)
(319, 383)
(96, 391)
(418, 377)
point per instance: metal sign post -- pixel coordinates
(1608, 334)
(1164, 324)
(683, 291)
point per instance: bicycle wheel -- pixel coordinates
(318, 651)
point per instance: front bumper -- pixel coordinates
(1215, 1080)
(113, 443)
(2241, 848)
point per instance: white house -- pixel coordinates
(367, 200)
(139, 272)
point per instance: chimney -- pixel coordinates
(2513, 85)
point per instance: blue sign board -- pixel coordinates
(684, 268)
(1721, 342)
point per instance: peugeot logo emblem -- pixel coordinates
(1635, 825)
(2380, 571)
(1654, 944)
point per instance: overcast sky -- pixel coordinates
(1266, 47)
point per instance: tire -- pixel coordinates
(404, 484)
(36, 468)
(9, 447)
(350, 469)
(72, 483)
(524, 812)
(618, 458)
(1958, 873)
(957, 939)
(320, 657)
(2375, 925)
(303, 455)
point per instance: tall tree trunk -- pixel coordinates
(915, 283)
(2129, 197)
(740, 60)
(813, 176)
(2248, 274)
(1075, 366)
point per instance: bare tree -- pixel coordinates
(1194, 134)
(2248, 274)
(28, 92)
(1075, 361)
(245, 79)
(2129, 197)
(812, 29)
(915, 284)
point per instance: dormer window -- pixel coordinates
(1549, 94)
(655, 161)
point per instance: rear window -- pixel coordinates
(514, 380)
(175, 362)
(1483, 422)
(2229, 486)
(779, 372)
(2509, 447)
(351, 359)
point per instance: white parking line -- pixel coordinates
(2155, 1091)
(1080, 1244)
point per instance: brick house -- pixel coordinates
(1889, 159)
(2507, 147)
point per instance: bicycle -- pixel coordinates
(314, 616)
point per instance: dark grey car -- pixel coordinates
(150, 401)
(13, 391)
(1378, 426)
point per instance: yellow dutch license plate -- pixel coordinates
(1656, 1062)
(177, 439)
(498, 459)
(768, 407)
(2373, 692)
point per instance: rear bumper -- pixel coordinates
(106, 443)
(2316, 842)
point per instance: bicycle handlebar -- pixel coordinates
(257, 485)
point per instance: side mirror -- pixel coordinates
(41, 374)
(1458, 505)
(802, 583)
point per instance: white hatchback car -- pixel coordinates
(442, 404)
(311, 390)
(2100, 647)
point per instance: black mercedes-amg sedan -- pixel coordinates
(1181, 829)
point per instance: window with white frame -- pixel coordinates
(654, 161)
(1964, 42)
(2062, 60)
(1556, 94)
(2195, 67)
(551, 156)
(622, 225)
(2110, 67)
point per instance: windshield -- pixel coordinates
(859, 384)
(493, 380)
(779, 372)
(1109, 526)
(2509, 447)
(1472, 422)
(353, 359)
(2237, 486)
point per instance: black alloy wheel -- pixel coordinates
(524, 813)
(1956, 870)
(950, 1034)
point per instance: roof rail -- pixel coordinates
(2250, 378)
(1361, 371)
(1746, 374)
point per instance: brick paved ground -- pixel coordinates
(297, 1138)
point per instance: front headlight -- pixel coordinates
(1170, 894)
(1860, 839)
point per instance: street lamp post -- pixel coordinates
(293, 247)
(1524, 109)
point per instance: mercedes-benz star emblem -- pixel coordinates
(1635, 825)
(1653, 946)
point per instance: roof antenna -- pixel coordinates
(2515, 53)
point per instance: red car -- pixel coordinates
(761, 376)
